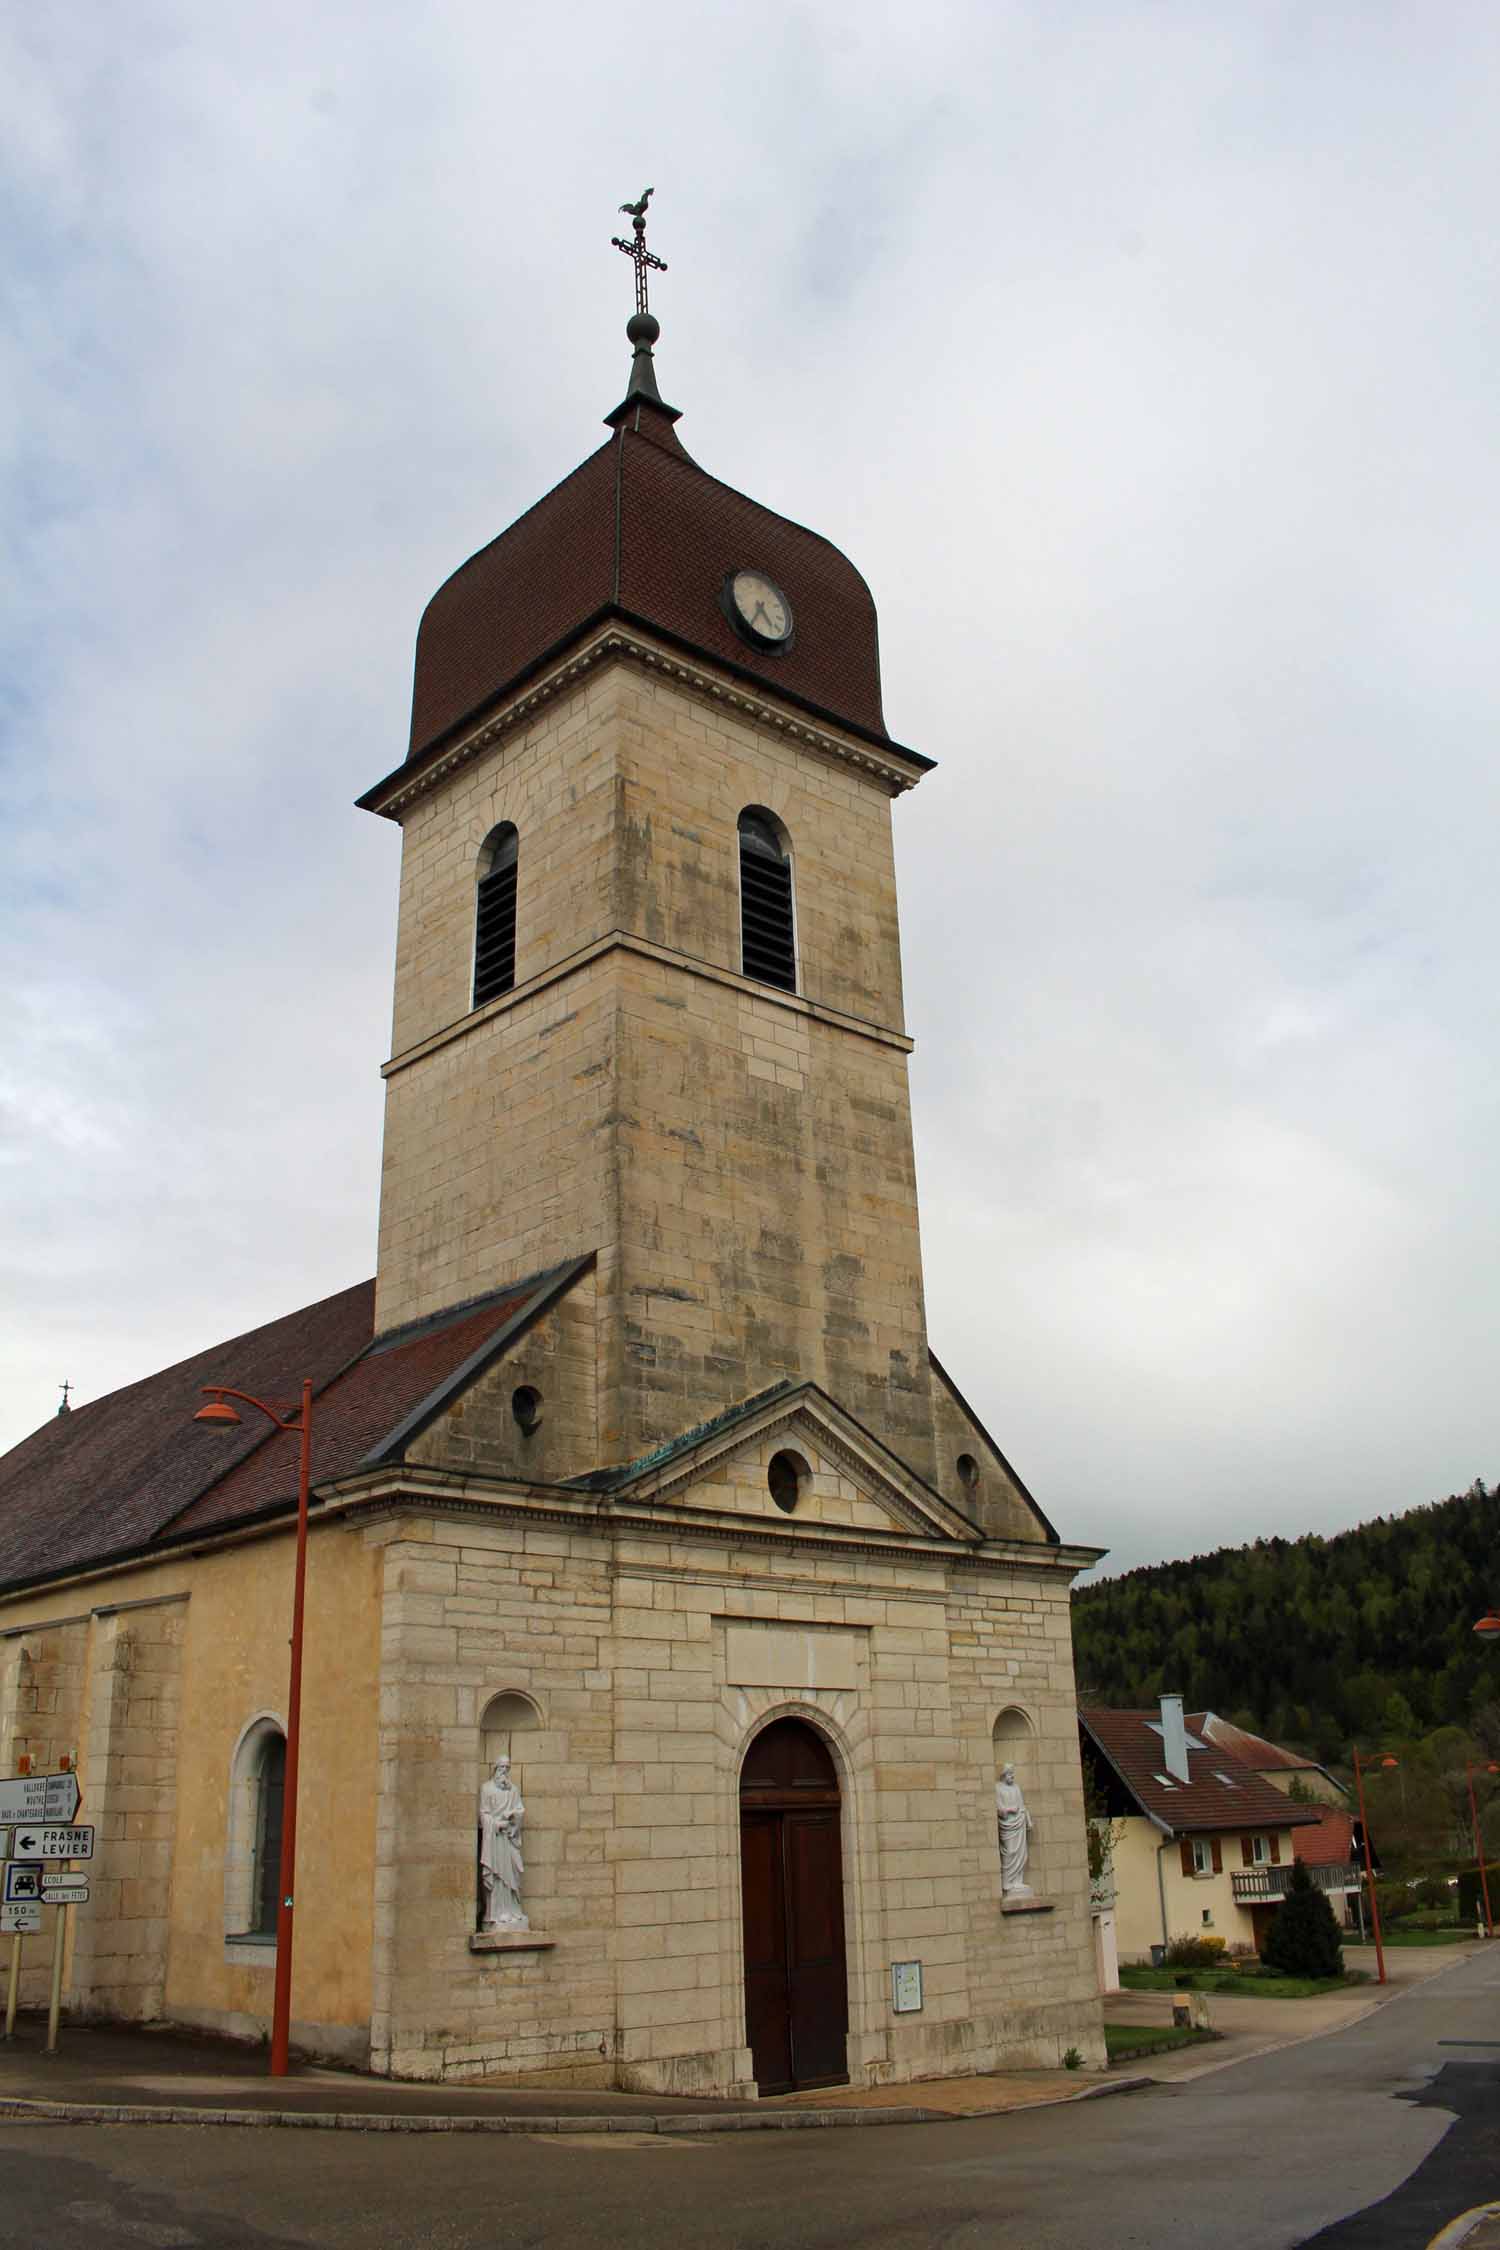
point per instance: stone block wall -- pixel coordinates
(652, 1661)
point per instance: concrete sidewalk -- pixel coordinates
(121, 2075)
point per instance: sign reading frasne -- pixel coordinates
(40, 1796)
(51, 1843)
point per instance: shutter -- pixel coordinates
(1247, 1852)
(1275, 1850)
(495, 935)
(1187, 1855)
(1218, 1858)
(769, 954)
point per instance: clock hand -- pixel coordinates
(760, 612)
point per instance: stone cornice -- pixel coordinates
(624, 941)
(617, 643)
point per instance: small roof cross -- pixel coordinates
(644, 260)
(65, 1408)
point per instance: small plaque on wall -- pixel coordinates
(906, 1987)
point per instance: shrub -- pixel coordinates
(1073, 2059)
(1195, 1952)
(1303, 1940)
(1395, 1901)
(1430, 1892)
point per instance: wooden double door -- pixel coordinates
(791, 1860)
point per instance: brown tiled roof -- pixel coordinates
(1329, 1841)
(1252, 1750)
(639, 530)
(1219, 1793)
(125, 1471)
(108, 1477)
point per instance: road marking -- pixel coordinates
(1458, 2230)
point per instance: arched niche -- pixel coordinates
(1014, 1739)
(504, 1724)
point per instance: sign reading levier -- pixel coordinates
(40, 1796)
(51, 1843)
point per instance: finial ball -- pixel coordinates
(643, 328)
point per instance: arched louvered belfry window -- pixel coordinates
(495, 915)
(768, 950)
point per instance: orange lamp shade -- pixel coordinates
(217, 1410)
(1488, 1627)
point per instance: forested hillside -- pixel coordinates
(1312, 1641)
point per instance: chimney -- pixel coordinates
(1174, 1738)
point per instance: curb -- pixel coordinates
(22, 2111)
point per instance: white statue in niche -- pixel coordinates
(501, 1867)
(1016, 1825)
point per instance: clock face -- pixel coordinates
(760, 609)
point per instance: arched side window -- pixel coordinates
(768, 948)
(495, 915)
(252, 1886)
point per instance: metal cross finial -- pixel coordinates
(65, 1408)
(642, 258)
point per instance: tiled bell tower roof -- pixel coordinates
(639, 531)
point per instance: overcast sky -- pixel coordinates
(1142, 357)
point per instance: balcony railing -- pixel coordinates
(1252, 1884)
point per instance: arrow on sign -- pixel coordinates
(40, 1796)
(59, 1890)
(16, 1920)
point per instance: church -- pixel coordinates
(671, 1618)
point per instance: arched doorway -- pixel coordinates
(796, 1983)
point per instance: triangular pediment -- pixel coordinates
(831, 1474)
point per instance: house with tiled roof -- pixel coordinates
(633, 1466)
(1293, 1771)
(1202, 1844)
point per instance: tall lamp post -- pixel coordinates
(1364, 1829)
(1484, 1881)
(219, 1412)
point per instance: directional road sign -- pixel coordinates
(40, 1796)
(64, 1890)
(16, 1920)
(51, 1843)
(22, 1880)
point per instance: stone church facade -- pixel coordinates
(634, 1464)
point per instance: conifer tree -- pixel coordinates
(1303, 1940)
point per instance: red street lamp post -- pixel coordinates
(1484, 1881)
(1364, 1829)
(301, 1428)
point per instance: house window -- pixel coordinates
(1203, 1858)
(1260, 1851)
(495, 915)
(768, 949)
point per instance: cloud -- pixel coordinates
(1142, 361)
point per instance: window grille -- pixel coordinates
(495, 916)
(767, 942)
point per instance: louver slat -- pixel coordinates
(495, 935)
(768, 950)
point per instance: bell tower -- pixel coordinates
(649, 776)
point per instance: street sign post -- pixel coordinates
(28, 1842)
(25, 1915)
(64, 1890)
(50, 1797)
(23, 1880)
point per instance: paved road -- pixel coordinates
(1367, 2140)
